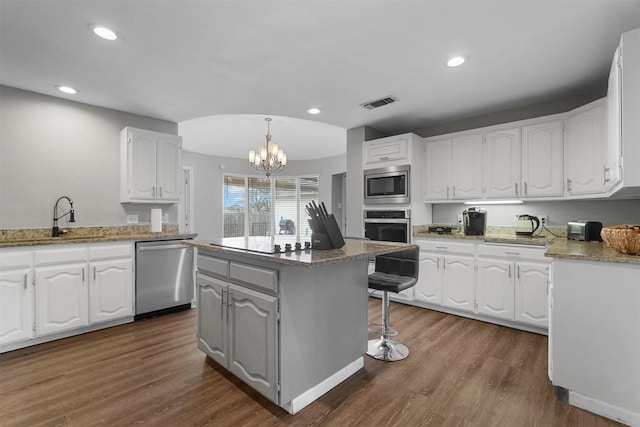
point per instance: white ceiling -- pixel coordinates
(180, 60)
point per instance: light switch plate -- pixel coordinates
(132, 219)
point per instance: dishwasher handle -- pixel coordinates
(162, 247)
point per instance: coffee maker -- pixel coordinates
(474, 221)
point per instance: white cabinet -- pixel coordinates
(584, 149)
(149, 166)
(16, 297)
(238, 326)
(453, 168)
(532, 293)
(512, 283)
(446, 273)
(111, 287)
(542, 159)
(466, 166)
(437, 170)
(386, 150)
(613, 152)
(502, 163)
(495, 290)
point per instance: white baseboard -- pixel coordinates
(605, 409)
(309, 396)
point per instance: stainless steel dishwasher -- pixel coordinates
(164, 277)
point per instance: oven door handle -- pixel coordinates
(387, 221)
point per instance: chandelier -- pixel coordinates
(269, 159)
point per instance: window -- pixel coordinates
(259, 206)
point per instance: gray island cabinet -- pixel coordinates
(291, 325)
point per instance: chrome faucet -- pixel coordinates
(55, 232)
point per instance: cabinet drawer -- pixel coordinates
(513, 252)
(261, 277)
(67, 254)
(15, 260)
(447, 246)
(107, 251)
(213, 266)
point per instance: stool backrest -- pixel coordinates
(401, 263)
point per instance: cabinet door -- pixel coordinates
(532, 293)
(141, 153)
(429, 285)
(111, 290)
(16, 306)
(212, 318)
(253, 338)
(386, 150)
(542, 148)
(584, 165)
(168, 168)
(458, 285)
(436, 170)
(494, 292)
(502, 163)
(62, 298)
(613, 164)
(466, 166)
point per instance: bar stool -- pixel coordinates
(394, 272)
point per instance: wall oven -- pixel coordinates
(388, 185)
(388, 225)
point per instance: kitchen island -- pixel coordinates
(291, 325)
(594, 338)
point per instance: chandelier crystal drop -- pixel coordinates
(269, 159)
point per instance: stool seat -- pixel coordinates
(394, 272)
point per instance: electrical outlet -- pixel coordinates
(460, 219)
(132, 219)
(165, 217)
(544, 219)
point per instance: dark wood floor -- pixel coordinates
(460, 372)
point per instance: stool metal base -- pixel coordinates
(387, 350)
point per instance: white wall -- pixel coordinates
(608, 212)
(207, 184)
(51, 147)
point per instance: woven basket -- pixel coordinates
(623, 238)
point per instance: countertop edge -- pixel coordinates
(96, 239)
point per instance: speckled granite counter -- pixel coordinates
(42, 236)
(588, 251)
(495, 234)
(353, 249)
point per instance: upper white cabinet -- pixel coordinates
(542, 153)
(149, 166)
(386, 150)
(623, 124)
(453, 168)
(502, 163)
(584, 148)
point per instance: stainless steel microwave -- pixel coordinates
(388, 185)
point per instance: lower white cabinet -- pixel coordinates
(63, 289)
(16, 298)
(62, 298)
(492, 281)
(238, 327)
(495, 291)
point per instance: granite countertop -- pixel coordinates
(42, 236)
(495, 234)
(353, 249)
(588, 251)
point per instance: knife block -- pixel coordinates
(327, 235)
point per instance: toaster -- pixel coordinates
(588, 231)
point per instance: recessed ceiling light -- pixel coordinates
(67, 89)
(456, 61)
(313, 110)
(104, 32)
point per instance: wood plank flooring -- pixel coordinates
(460, 372)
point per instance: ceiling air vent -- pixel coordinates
(378, 103)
